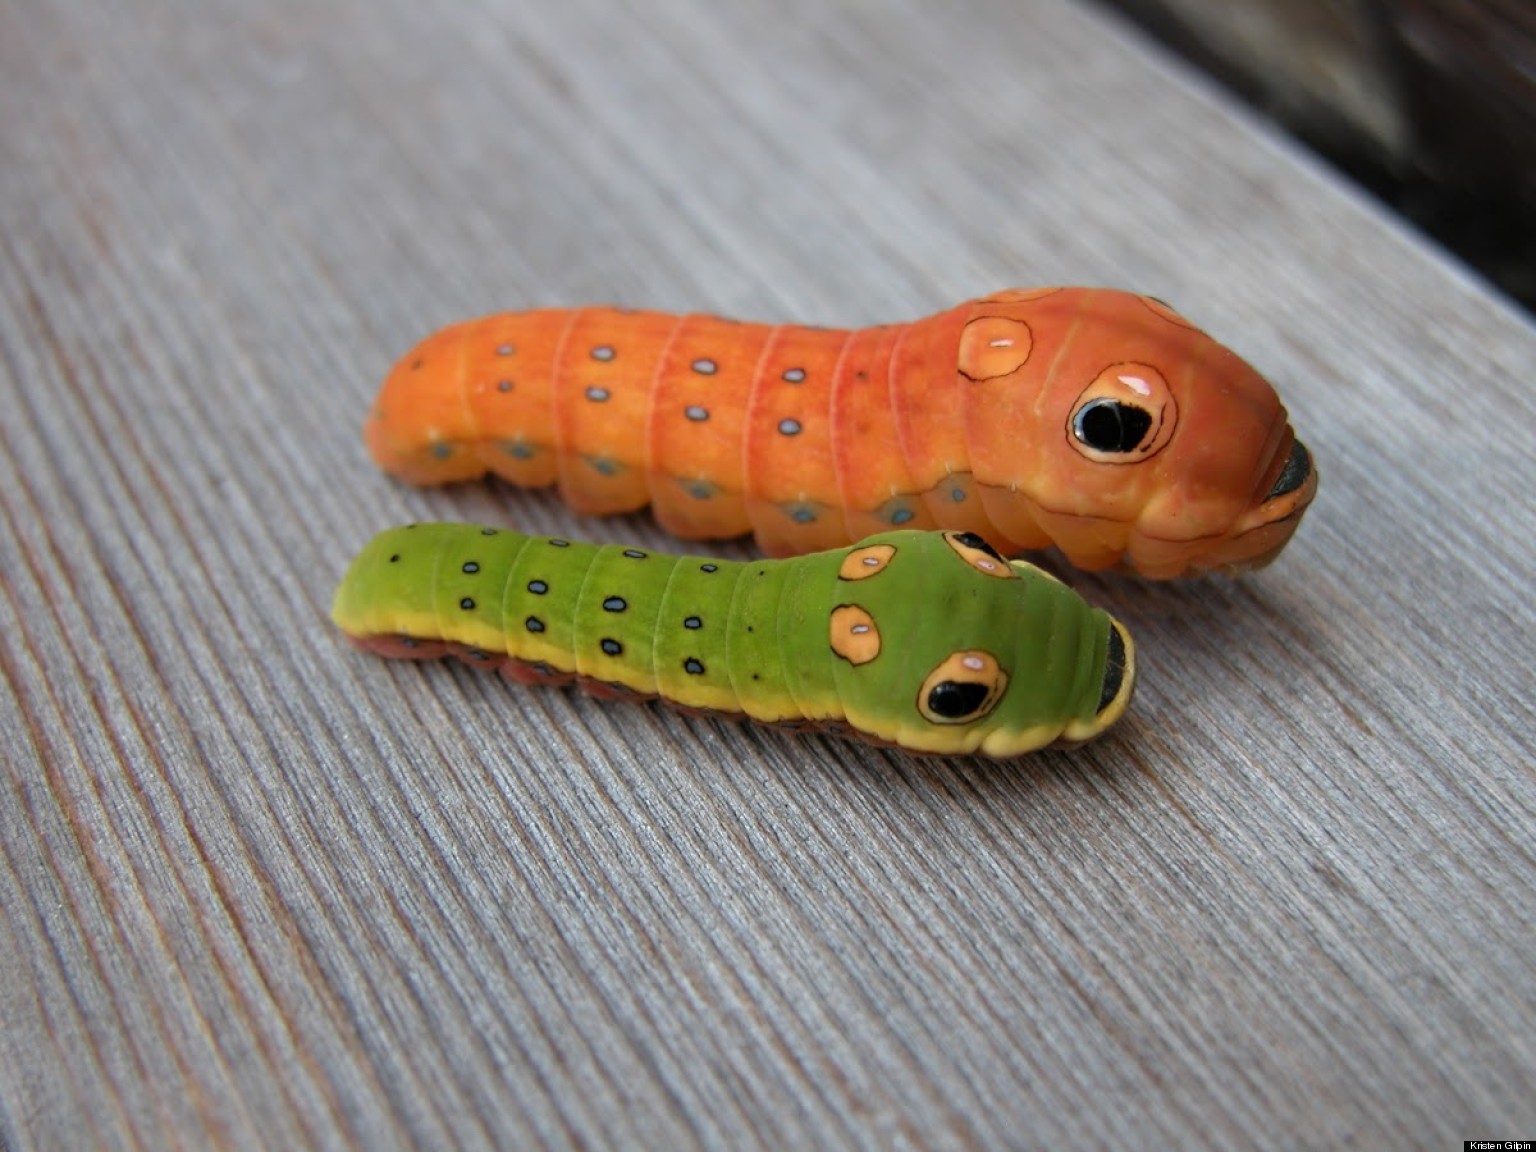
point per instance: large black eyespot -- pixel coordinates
(955, 701)
(1127, 415)
(964, 687)
(1108, 425)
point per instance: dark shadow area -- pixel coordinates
(1428, 104)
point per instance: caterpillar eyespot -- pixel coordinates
(901, 639)
(964, 687)
(1111, 426)
(1099, 422)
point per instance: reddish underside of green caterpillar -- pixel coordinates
(535, 672)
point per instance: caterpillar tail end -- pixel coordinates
(381, 593)
(419, 428)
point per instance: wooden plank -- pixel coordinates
(260, 890)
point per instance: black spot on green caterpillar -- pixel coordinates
(926, 640)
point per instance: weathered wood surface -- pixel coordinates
(261, 890)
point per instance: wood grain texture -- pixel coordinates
(262, 891)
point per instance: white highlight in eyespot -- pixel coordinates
(974, 663)
(1001, 343)
(1137, 385)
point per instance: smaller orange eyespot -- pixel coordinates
(1125, 416)
(853, 635)
(979, 554)
(862, 563)
(993, 346)
(965, 687)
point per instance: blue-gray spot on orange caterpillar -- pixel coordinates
(442, 450)
(603, 352)
(504, 386)
(506, 349)
(696, 412)
(794, 375)
(705, 367)
(789, 426)
(598, 395)
(519, 449)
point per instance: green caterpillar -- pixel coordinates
(927, 640)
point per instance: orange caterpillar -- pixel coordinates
(1097, 421)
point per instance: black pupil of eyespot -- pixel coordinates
(1111, 425)
(954, 699)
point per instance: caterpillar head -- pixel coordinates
(944, 646)
(1145, 442)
